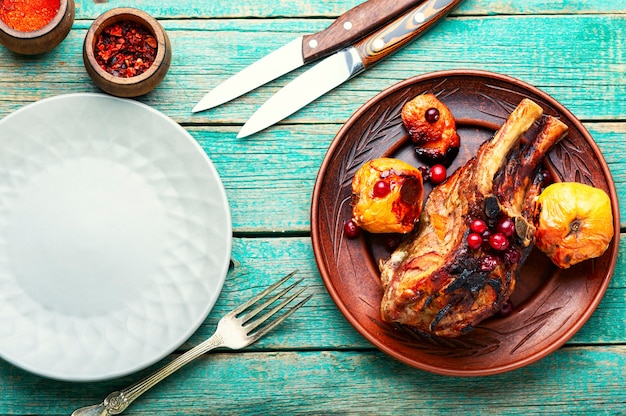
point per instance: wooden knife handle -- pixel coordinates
(407, 27)
(352, 26)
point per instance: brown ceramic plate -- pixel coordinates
(551, 305)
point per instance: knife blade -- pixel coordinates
(347, 29)
(344, 65)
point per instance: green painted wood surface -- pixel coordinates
(259, 259)
(577, 59)
(588, 79)
(317, 363)
(333, 8)
(572, 381)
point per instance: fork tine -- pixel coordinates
(260, 296)
(258, 321)
(252, 313)
(255, 336)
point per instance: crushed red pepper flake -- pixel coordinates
(125, 49)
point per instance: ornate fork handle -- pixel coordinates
(116, 402)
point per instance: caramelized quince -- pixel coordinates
(387, 196)
(574, 223)
(432, 128)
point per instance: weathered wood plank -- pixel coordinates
(318, 325)
(332, 8)
(284, 164)
(321, 324)
(269, 179)
(317, 363)
(577, 59)
(298, 145)
(572, 381)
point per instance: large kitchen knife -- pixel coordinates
(351, 26)
(343, 65)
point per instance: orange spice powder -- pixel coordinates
(28, 15)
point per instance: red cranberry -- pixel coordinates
(488, 263)
(512, 255)
(507, 227)
(498, 241)
(478, 226)
(474, 241)
(546, 177)
(506, 309)
(381, 189)
(432, 115)
(438, 174)
(351, 229)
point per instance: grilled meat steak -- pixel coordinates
(438, 283)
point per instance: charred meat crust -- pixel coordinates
(434, 282)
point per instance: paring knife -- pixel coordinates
(351, 26)
(343, 65)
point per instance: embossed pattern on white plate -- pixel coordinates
(115, 236)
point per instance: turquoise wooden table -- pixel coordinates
(316, 363)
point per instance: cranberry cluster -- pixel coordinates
(496, 239)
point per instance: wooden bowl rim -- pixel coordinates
(117, 15)
(51, 26)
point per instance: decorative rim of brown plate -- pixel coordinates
(460, 356)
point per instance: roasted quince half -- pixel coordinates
(432, 129)
(574, 223)
(387, 196)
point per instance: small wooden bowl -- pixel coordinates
(44, 39)
(131, 86)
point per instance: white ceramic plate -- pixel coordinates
(115, 237)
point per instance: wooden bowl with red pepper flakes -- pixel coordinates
(33, 27)
(126, 52)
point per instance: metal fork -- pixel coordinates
(237, 329)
